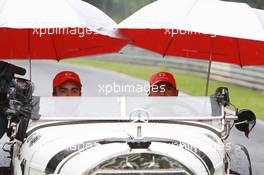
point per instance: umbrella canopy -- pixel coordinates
(260, 14)
(48, 29)
(202, 29)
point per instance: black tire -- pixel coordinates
(5, 171)
(23, 124)
(240, 160)
(3, 125)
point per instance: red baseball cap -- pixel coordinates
(162, 77)
(64, 76)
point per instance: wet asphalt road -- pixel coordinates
(93, 81)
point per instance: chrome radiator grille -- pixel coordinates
(113, 172)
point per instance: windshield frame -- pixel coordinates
(120, 108)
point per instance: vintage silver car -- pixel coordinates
(128, 136)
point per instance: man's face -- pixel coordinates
(163, 89)
(68, 88)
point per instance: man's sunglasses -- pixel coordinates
(164, 86)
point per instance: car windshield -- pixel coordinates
(124, 107)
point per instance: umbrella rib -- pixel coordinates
(29, 44)
(239, 55)
(196, 2)
(74, 10)
(29, 53)
(167, 48)
(55, 49)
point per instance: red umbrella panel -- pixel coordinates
(56, 43)
(188, 44)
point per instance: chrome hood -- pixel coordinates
(87, 148)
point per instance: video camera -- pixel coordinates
(15, 99)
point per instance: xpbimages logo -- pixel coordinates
(107, 89)
(175, 32)
(80, 32)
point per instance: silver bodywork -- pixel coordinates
(119, 135)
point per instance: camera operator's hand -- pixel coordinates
(3, 124)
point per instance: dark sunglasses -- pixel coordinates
(164, 86)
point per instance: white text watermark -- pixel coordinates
(80, 32)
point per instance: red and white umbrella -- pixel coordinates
(260, 15)
(202, 29)
(55, 29)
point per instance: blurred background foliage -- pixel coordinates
(253, 3)
(120, 9)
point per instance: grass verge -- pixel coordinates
(193, 85)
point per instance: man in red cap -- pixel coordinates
(163, 84)
(67, 83)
